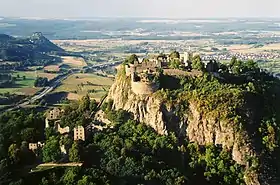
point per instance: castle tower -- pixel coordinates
(188, 57)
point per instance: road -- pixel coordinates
(52, 86)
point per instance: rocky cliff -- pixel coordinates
(192, 123)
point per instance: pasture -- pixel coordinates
(74, 62)
(78, 85)
(23, 85)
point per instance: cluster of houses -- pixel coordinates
(53, 119)
(241, 56)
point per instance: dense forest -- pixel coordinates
(130, 153)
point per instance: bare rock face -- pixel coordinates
(146, 109)
(198, 128)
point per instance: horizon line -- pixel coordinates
(137, 17)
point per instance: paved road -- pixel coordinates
(53, 85)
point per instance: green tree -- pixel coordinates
(51, 150)
(70, 176)
(197, 63)
(174, 54)
(85, 181)
(93, 105)
(175, 63)
(50, 131)
(74, 153)
(66, 141)
(85, 103)
(14, 153)
(233, 61)
(44, 181)
(131, 59)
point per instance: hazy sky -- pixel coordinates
(140, 8)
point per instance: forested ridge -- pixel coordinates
(28, 51)
(129, 152)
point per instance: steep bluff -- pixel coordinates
(192, 124)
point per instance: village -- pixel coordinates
(79, 134)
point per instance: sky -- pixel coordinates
(140, 8)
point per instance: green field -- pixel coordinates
(78, 85)
(22, 86)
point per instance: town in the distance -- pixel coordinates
(139, 101)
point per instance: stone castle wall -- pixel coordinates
(144, 88)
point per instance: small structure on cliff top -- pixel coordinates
(145, 72)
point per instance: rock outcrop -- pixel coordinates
(194, 125)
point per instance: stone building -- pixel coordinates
(60, 129)
(55, 114)
(35, 146)
(146, 64)
(79, 133)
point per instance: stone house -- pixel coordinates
(35, 146)
(54, 114)
(60, 129)
(79, 133)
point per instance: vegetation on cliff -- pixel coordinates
(240, 94)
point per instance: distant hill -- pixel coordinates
(33, 50)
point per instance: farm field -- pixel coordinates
(49, 76)
(78, 85)
(52, 68)
(26, 86)
(74, 62)
(67, 63)
(22, 86)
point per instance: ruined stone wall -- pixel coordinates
(144, 88)
(178, 72)
(127, 70)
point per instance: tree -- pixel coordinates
(197, 63)
(66, 141)
(233, 61)
(93, 105)
(51, 150)
(175, 63)
(70, 176)
(14, 153)
(174, 54)
(41, 82)
(85, 103)
(74, 153)
(85, 181)
(131, 59)
(44, 181)
(24, 77)
(50, 131)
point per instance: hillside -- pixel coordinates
(236, 108)
(28, 51)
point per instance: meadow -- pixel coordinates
(78, 85)
(22, 85)
(25, 86)
(74, 62)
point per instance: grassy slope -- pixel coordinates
(73, 84)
